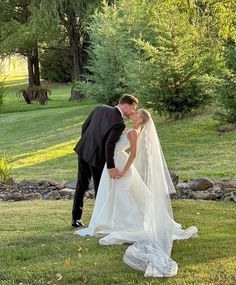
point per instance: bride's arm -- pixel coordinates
(132, 136)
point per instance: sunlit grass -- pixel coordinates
(40, 141)
(15, 80)
(194, 148)
(39, 252)
(59, 97)
(42, 155)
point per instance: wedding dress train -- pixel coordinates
(136, 208)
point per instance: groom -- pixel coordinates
(100, 132)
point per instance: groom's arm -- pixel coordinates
(113, 137)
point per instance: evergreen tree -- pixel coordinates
(155, 50)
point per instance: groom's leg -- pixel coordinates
(84, 176)
(97, 173)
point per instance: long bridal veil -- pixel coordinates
(152, 255)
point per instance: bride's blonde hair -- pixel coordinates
(145, 115)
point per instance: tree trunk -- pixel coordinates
(74, 49)
(74, 40)
(30, 71)
(33, 93)
(36, 67)
(75, 94)
(75, 58)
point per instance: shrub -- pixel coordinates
(153, 51)
(226, 88)
(108, 54)
(178, 101)
(5, 168)
(227, 99)
(35, 93)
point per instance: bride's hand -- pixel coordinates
(114, 173)
(122, 173)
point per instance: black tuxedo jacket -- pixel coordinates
(100, 132)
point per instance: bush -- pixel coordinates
(151, 50)
(178, 101)
(5, 168)
(108, 54)
(227, 99)
(227, 86)
(56, 65)
(35, 93)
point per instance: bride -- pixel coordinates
(136, 207)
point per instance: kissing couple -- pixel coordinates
(132, 187)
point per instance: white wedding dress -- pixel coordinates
(136, 208)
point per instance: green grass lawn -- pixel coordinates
(39, 139)
(38, 246)
(59, 97)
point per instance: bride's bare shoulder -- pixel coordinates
(132, 133)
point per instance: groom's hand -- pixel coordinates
(114, 173)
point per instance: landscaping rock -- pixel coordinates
(71, 184)
(61, 185)
(33, 196)
(201, 184)
(227, 128)
(233, 195)
(53, 195)
(226, 183)
(16, 196)
(175, 178)
(47, 182)
(201, 188)
(67, 192)
(11, 182)
(183, 185)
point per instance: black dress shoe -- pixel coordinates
(77, 223)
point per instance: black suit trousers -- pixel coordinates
(85, 172)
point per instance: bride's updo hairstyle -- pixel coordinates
(145, 115)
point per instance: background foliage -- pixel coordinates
(56, 65)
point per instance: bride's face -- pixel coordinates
(136, 118)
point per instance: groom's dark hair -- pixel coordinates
(128, 99)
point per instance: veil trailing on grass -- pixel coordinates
(152, 255)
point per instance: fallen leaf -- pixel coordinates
(59, 276)
(67, 261)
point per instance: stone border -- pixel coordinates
(201, 188)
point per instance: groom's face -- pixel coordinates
(129, 109)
